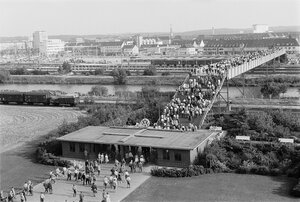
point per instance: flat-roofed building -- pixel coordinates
(40, 41)
(165, 147)
(55, 46)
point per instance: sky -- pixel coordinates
(87, 17)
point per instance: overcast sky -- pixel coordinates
(22, 17)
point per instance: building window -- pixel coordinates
(72, 146)
(166, 154)
(177, 156)
(81, 147)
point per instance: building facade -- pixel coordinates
(112, 47)
(130, 50)
(163, 147)
(55, 46)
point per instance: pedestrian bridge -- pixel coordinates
(187, 118)
(238, 70)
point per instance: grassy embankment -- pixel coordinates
(104, 80)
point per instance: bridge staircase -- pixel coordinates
(232, 72)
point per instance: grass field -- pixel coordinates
(215, 187)
(21, 128)
(20, 124)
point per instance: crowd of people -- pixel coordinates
(84, 174)
(196, 93)
(89, 173)
(22, 194)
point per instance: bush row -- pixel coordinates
(259, 170)
(193, 170)
(49, 159)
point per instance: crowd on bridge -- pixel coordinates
(196, 94)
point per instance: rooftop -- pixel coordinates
(145, 137)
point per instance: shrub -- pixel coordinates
(193, 170)
(49, 159)
(166, 74)
(275, 172)
(99, 72)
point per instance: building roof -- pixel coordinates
(128, 47)
(133, 136)
(163, 37)
(251, 43)
(112, 43)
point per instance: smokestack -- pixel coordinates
(213, 31)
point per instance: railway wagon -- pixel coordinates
(37, 97)
(64, 100)
(7, 97)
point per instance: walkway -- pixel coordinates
(62, 189)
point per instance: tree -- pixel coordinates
(120, 76)
(272, 89)
(19, 71)
(99, 71)
(151, 71)
(4, 76)
(65, 68)
(98, 91)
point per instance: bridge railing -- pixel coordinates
(235, 71)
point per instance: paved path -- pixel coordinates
(62, 189)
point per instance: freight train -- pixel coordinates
(31, 98)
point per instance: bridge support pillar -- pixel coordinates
(228, 108)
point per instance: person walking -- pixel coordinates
(105, 182)
(131, 166)
(119, 178)
(83, 177)
(107, 197)
(98, 169)
(140, 165)
(13, 192)
(126, 174)
(101, 158)
(94, 189)
(103, 196)
(42, 197)
(74, 190)
(128, 179)
(81, 196)
(106, 159)
(115, 183)
(76, 175)
(10, 197)
(22, 197)
(68, 174)
(1, 195)
(31, 189)
(25, 187)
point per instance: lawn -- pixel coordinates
(215, 187)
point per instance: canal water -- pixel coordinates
(234, 92)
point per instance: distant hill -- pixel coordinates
(237, 31)
(186, 34)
